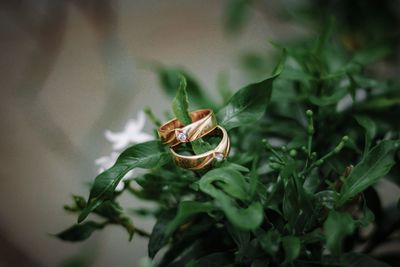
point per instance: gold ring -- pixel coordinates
(174, 132)
(200, 161)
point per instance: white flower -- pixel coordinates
(132, 133)
(106, 162)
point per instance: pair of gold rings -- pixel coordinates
(203, 123)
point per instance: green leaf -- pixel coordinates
(327, 198)
(236, 14)
(367, 216)
(337, 226)
(248, 104)
(128, 225)
(180, 104)
(224, 185)
(370, 131)
(325, 100)
(186, 210)
(170, 78)
(253, 179)
(234, 166)
(158, 238)
(109, 209)
(80, 232)
(269, 241)
(146, 155)
(230, 181)
(291, 246)
(245, 218)
(376, 164)
(379, 103)
(371, 54)
(242, 240)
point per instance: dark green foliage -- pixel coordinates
(309, 143)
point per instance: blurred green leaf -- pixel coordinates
(336, 227)
(327, 198)
(324, 100)
(158, 238)
(187, 209)
(242, 240)
(236, 14)
(376, 164)
(80, 232)
(269, 241)
(291, 246)
(370, 131)
(379, 103)
(170, 79)
(128, 225)
(145, 155)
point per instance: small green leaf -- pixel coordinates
(80, 201)
(186, 210)
(158, 238)
(170, 78)
(128, 225)
(230, 181)
(248, 104)
(337, 226)
(180, 104)
(367, 216)
(224, 185)
(327, 100)
(291, 246)
(370, 131)
(376, 164)
(80, 232)
(145, 155)
(269, 240)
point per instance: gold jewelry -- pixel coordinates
(174, 132)
(200, 161)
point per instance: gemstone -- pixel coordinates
(181, 136)
(219, 156)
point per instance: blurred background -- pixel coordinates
(69, 70)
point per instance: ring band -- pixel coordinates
(197, 162)
(174, 132)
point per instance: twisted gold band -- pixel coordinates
(200, 161)
(174, 132)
